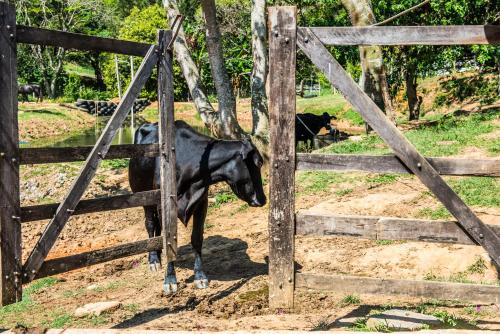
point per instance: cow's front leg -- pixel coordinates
(200, 279)
(170, 282)
(153, 227)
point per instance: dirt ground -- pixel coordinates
(236, 249)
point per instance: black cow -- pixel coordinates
(308, 125)
(201, 162)
(34, 89)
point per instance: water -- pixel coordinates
(125, 134)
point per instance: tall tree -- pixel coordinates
(373, 79)
(205, 109)
(225, 94)
(64, 15)
(260, 114)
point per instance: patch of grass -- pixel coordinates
(222, 198)
(254, 294)
(314, 182)
(480, 191)
(59, 321)
(382, 179)
(73, 293)
(133, 308)
(371, 144)
(440, 213)
(383, 242)
(343, 192)
(27, 301)
(82, 71)
(115, 164)
(350, 300)
(447, 318)
(478, 267)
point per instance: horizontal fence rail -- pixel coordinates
(47, 211)
(69, 40)
(391, 164)
(82, 260)
(409, 35)
(46, 155)
(478, 293)
(383, 228)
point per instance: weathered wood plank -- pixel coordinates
(383, 228)
(77, 261)
(476, 293)
(82, 260)
(67, 206)
(391, 164)
(47, 211)
(10, 229)
(403, 149)
(410, 35)
(68, 40)
(282, 58)
(46, 155)
(167, 147)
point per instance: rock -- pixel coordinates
(93, 287)
(401, 320)
(355, 138)
(96, 309)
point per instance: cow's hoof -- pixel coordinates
(170, 285)
(201, 283)
(154, 267)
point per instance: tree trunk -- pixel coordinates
(225, 95)
(260, 114)
(373, 81)
(95, 62)
(205, 109)
(414, 101)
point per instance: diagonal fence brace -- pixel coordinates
(406, 152)
(68, 205)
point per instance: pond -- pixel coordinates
(89, 137)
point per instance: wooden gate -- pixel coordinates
(284, 36)
(13, 273)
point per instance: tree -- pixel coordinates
(260, 114)
(225, 94)
(64, 15)
(373, 80)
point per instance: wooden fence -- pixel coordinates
(13, 273)
(284, 223)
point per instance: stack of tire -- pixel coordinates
(107, 108)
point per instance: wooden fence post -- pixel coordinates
(282, 55)
(10, 222)
(167, 147)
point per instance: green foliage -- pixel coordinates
(350, 300)
(480, 191)
(27, 300)
(383, 242)
(222, 198)
(115, 164)
(439, 213)
(447, 318)
(317, 182)
(383, 179)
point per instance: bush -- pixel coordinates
(75, 89)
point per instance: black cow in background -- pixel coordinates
(201, 162)
(34, 89)
(308, 125)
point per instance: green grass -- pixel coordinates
(317, 182)
(222, 198)
(383, 179)
(479, 191)
(26, 114)
(115, 164)
(436, 214)
(449, 136)
(350, 300)
(79, 70)
(27, 301)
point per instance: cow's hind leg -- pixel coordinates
(200, 279)
(153, 226)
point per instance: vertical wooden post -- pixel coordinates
(10, 223)
(167, 146)
(282, 55)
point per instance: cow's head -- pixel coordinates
(326, 119)
(243, 174)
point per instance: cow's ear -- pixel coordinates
(246, 148)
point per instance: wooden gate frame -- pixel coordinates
(12, 272)
(284, 36)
